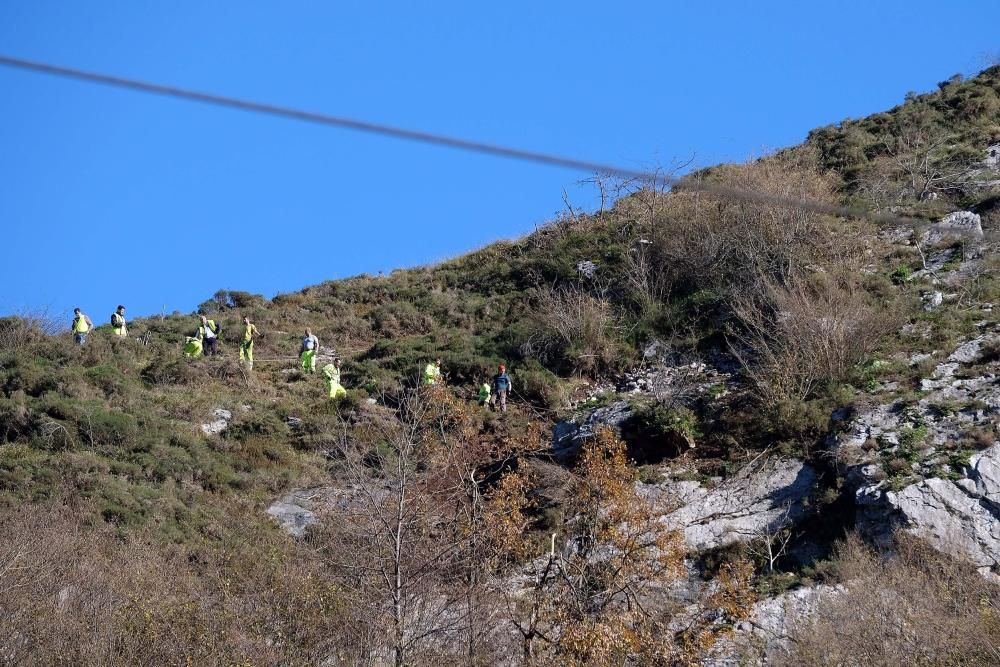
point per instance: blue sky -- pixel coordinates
(111, 196)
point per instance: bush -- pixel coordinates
(228, 300)
(166, 370)
(918, 608)
(585, 327)
(540, 386)
(794, 340)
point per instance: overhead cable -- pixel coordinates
(652, 178)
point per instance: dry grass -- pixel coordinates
(916, 608)
(793, 339)
(73, 594)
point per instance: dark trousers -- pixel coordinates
(210, 346)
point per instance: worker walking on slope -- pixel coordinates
(332, 374)
(208, 334)
(246, 346)
(502, 385)
(484, 394)
(80, 327)
(118, 327)
(307, 355)
(432, 372)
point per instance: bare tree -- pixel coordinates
(403, 537)
(770, 542)
(925, 164)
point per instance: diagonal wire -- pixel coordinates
(421, 136)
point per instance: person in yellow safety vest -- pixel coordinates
(307, 354)
(332, 374)
(81, 325)
(484, 394)
(192, 346)
(246, 347)
(118, 326)
(208, 335)
(432, 372)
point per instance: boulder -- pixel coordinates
(932, 300)
(960, 224)
(760, 499)
(294, 511)
(992, 160)
(568, 436)
(219, 424)
(586, 268)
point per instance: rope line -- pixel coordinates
(468, 145)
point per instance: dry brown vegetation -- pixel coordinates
(791, 339)
(79, 594)
(918, 607)
(583, 325)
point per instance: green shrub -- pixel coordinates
(901, 275)
(165, 370)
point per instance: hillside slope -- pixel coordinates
(726, 344)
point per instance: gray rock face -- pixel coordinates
(962, 224)
(294, 512)
(763, 498)
(766, 637)
(952, 407)
(971, 351)
(959, 517)
(568, 436)
(219, 424)
(768, 630)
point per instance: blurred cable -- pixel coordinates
(653, 179)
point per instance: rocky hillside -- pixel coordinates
(738, 432)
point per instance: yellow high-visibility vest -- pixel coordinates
(119, 331)
(80, 324)
(211, 325)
